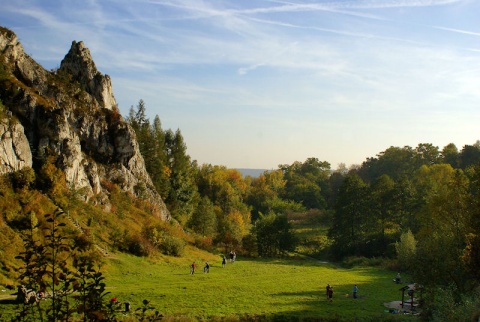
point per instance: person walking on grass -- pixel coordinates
(224, 261)
(330, 294)
(355, 290)
(192, 268)
(328, 291)
(398, 278)
(206, 269)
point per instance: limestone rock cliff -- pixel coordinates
(79, 63)
(70, 114)
(14, 148)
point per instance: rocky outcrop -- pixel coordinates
(79, 63)
(14, 147)
(70, 114)
(27, 70)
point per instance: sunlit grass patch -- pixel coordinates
(251, 287)
(276, 289)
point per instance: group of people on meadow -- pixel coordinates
(206, 268)
(329, 292)
(193, 267)
(233, 256)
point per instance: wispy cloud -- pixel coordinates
(465, 32)
(244, 70)
(44, 17)
(290, 6)
(300, 7)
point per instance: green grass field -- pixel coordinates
(281, 289)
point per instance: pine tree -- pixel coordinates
(183, 188)
(160, 173)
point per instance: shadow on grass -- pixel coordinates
(8, 307)
(308, 261)
(342, 308)
(8, 301)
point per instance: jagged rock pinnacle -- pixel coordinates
(79, 63)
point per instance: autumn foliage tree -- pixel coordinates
(226, 190)
(266, 195)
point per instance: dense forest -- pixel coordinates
(417, 207)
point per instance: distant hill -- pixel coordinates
(254, 173)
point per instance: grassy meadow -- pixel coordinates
(290, 289)
(283, 290)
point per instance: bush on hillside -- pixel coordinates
(139, 246)
(52, 179)
(205, 243)
(4, 74)
(172, 246)
(24, 178)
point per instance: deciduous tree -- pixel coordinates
(204, 218)
(406, 249)
(274, 235)
(349, 218)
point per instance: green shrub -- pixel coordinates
(172, 246)
(3, 73)
(447, 304)
(52, 265)
(353, 261)
(24, 178)
(205, 243)
(141, 190)
(52, 179)
(139, 246)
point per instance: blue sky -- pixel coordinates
(255, 84)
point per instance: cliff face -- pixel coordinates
(70, 114)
